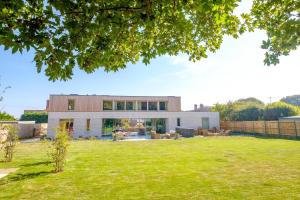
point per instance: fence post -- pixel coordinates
(296, 129)
(279, 127)
(265, 123)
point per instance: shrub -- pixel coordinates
(280, 109)
(59, 150)
(34, 116)
(9, 141)
(248, 114)
(6, 117)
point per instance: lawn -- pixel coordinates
(197, 168)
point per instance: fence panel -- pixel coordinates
(289, 128)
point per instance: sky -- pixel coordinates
(235, 71)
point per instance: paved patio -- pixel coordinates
(5, 172)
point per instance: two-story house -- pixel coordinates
(100, 115)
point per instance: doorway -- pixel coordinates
(205, 123)
(67, 125)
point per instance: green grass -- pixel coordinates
(198, 168)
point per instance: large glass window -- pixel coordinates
(120, 105)
(107, 105)
(163, 105)
(152, 105)
(71, 104)
(129, 105)
(160, 125)
(142, 105)
(133, 127)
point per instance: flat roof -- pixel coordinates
(107, 95)
(291, 117)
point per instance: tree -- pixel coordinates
(111, 34)
(279, 109)
(251, 101)
(294, 99)
(248, 114)
(59, 150)
(281, 21)
(248, 109)
(8, 141)
(35, 116)
(6, 117)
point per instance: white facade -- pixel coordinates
(187, 120)
(86, 113)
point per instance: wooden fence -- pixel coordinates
(285, 128)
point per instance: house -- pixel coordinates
(100, 115)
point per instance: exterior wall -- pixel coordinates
(188, 120)
(93, 103)
(27, 129)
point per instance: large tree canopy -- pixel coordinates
(111, 34)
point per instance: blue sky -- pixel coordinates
(235, 71)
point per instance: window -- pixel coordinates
(71, 104)
(107, 105)
(120, 105)
(88, 124)
(178, 121)
(152, 105)
(162, 105)
(129, 105)
(144, 105)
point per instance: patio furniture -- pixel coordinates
(185, 132)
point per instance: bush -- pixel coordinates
(34, 116)
(9, 141)
(6, 117)
(280, 109)
(59, 150)
(248, 114)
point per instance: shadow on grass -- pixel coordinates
(36, 163)
(25, 176)
(19, 177)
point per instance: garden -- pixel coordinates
(230, 167)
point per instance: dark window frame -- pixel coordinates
(154, 103)
(178, 122)
(143, 103)
(88, 124)
(119, 105)
(127, 103)
(163, 103)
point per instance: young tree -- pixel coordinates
(111, 34)
(58, 150)
(8, 141)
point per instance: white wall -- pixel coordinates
(188, 120)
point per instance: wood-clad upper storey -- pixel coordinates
(94, 103)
